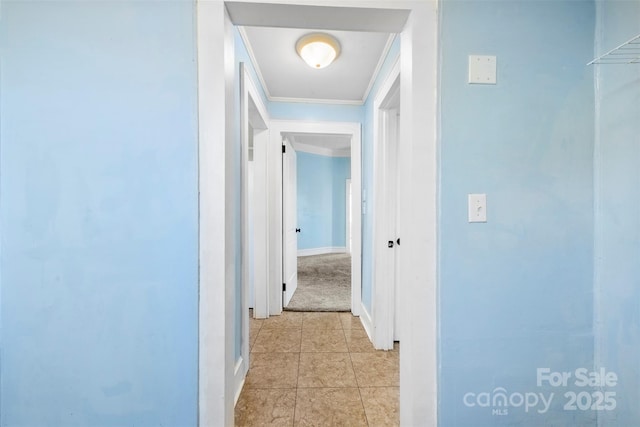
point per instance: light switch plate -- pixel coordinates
(482, 69)
(477, 208)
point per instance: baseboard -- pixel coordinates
(322, 251)
(240, 373)
(367, 323)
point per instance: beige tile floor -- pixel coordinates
(317, 369)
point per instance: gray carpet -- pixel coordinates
(324, 283)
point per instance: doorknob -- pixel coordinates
(398, 242)
(297, 230)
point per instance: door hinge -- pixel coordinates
(284, 149)
(284, 287)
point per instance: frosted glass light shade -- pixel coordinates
(318, 50)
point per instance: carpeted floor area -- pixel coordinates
(324, 283)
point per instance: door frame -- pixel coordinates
(347, 203)
(216, 271)
(254, 120)
(277, 129)
(216, 174)
(253, 113)
(385, 218)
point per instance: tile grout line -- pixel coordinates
(314, 320)
(295, 404)
(356, 376)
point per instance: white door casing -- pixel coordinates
(277, 129)
(419, 127)
(216, 279)
(289, 221)
(253, 127)
(254, 124)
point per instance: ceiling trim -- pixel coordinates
(254, 62)
(372, 80)
(317, 100)
(383, 57)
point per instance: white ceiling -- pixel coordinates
(326, 17)
(270, 31)
(286, 77)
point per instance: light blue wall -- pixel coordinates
(341, 172)
(617, 158)
(368, 175)
(516, 293)
(321, 200)
(99, 214)
(311, 111)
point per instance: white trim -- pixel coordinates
(322, 251)
(419, 271)
(316, 100)
(383, 56)
(367, 322)
(260, 224)
(420, 126)
(240, 373)
(253, 113)
(321, 151)
(387, 16)
(254, 62)
(374, 76)
(216, 271)
(277, 128)
(253, 119)
(347, 219)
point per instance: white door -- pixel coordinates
(392, 197)
(399, 191)
(389, 194)
(290, 223)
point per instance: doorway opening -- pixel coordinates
(301, 132)
(217, 169)
(319, 214)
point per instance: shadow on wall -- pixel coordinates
(322, 206)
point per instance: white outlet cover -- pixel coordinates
(482, 69)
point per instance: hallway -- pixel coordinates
(317, 369)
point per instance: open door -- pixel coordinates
(289, 222)
(389, 195)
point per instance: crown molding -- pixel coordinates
(357, 102)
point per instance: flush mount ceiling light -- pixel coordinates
(318, 50)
